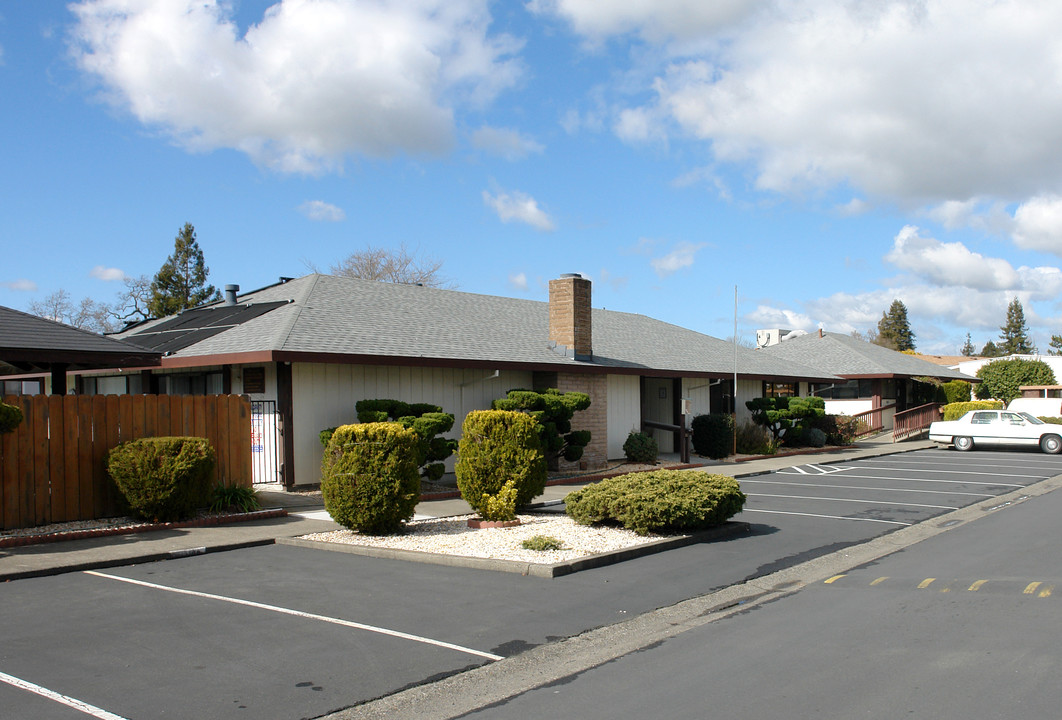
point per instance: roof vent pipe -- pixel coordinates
(230, 294)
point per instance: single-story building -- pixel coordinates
(873, 376)
(306, 350)
(31, 344)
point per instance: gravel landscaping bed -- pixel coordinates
(452, 536)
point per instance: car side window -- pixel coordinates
(982, 418)
(1013, 418)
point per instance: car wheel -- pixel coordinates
(963, 443)
(1051, 444)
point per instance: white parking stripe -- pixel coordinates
(868, 502)
(930, 480)
(958, 472)
(299, 613)
(59, 698)
(829, 517)
(745, 481)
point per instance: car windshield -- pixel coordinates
(1032, 418)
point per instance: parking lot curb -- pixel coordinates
(542, 570)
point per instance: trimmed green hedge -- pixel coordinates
(640, 448)
(369, 477)
(660, 501)
(500, 462)
(954, 411)
(713, 435)
(10, 417)
(163, 478)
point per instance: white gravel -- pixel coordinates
(452, 536)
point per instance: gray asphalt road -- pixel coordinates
(962, 625)
(283, 632)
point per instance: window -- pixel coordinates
(772, 390)
(191, 384)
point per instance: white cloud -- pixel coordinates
(519, 207)
(20, 285)
(505, 143)
(766, 317)
(518, 281)
(682, 256)
(920, 102)
(320, 210)
(953, 265)
(655, 19)
(310, 83)
(1038, 224)
(853, 208)
(107, 274)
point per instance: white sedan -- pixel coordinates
(998, 428)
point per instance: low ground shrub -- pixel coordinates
(713, 435)
(500, 457)
(1052, 420)
(10, 417)
(954, 411)
(839, 429)
(233, 498)
(755, 440)
(660, 501)
(163, 478)
(369, 477)
(640, 447)
(542, 543)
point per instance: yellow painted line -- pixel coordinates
(976, 586)
(1030, 589)
(925, 583)
(947, 589)
(833, 579)
(1046, 592)
(880, 580)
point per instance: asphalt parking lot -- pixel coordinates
(286, 632)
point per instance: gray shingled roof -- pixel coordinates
(346, 316)
(28, 342)
(847, 356)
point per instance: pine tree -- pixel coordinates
(181, 281)
(894, 331)
(1056, 345)
(1015, 334)
(967, 347)
(990, 349)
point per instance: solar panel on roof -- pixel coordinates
(193, 326)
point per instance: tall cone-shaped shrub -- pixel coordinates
(499, 448)
(369, 477)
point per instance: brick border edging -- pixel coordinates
(791, 453)
(23, 540)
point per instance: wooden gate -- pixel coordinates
(52, 467)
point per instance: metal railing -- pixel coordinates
(871, 421)
(914, 421)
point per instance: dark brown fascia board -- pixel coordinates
(895, 376)
(80, 358)
(405, 361)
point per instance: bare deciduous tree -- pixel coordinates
(87, 315)
(395, 266)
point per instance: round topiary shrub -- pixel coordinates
(640, 448)
(713, 435)
(660, 501)
(163, 478)
(10, 417)
(369, 477)
(499, 457)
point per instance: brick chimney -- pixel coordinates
(569, 316)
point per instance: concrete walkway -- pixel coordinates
(306, 515)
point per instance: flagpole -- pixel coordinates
(734, 399)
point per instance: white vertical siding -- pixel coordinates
(624, 411)
(746, 390)
(698, 391)
(325, 395)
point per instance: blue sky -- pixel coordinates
(824, 156)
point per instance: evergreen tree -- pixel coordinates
(990, 349)
(181, 281)
(894, 330)
(1015, 334)
(967, 347)
(1056, 345)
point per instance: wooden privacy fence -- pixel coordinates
(53, 469)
